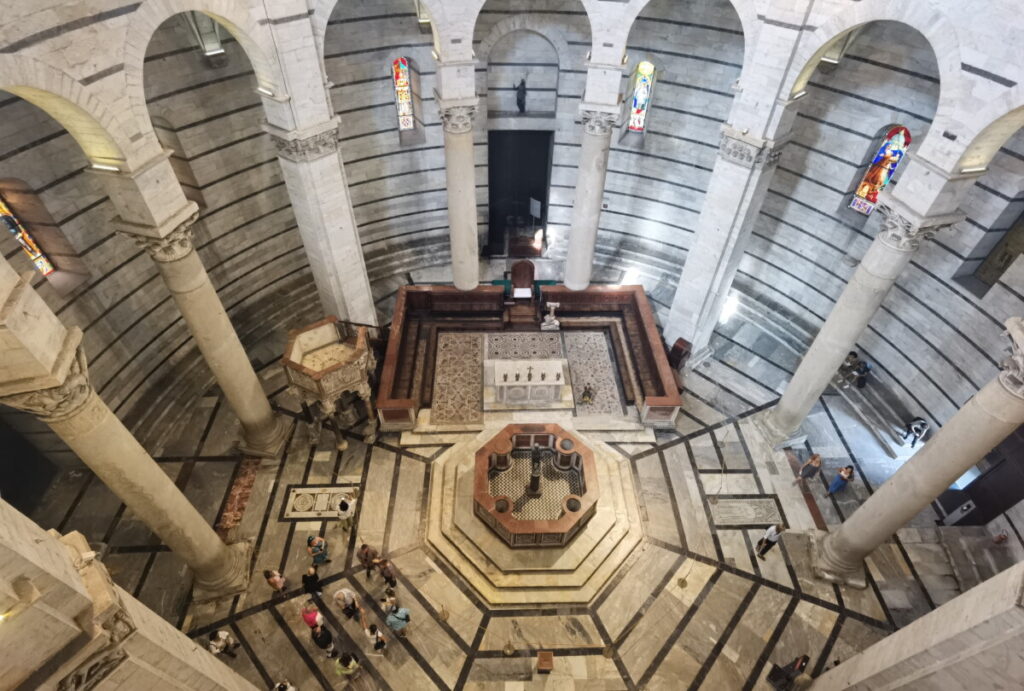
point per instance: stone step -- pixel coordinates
(485, 561)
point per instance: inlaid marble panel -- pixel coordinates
(746, 511)
(310, 502)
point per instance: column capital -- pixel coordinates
(59, 402)
(598, 122)
(171, 247)
(1012, 374)
(748, 151)
(904, 230)
(458, 119)
(305, 145)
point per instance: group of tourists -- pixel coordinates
(396, 618)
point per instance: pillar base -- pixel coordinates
(778, 439)
(698, 358)
(855, 578)
(236, 581)
(268, 445)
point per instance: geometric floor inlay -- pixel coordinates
(313, 502)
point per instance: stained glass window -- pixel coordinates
(883, 165)
(24, 239)
(403, 93)
(643, 87)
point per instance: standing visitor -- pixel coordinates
(311, 582)
(368, 558)
(275, 580)
(347, 666)
(346, 511)
(809, 469)
(845, 374)
(346, 599)
(916, 428)
(840, 481)
(387, 572)
(283, 686)
(311, 614)
(769, 540)
(377, 639)
(397, 620)
(324, 640)
(317, 548)
(222, 643)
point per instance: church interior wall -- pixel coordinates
(398, 190)
(655, 186)
(932, 341)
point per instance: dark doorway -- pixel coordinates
(24, 473)
(519, 165)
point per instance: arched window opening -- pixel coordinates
(406, 84)
(38, 236)
(25, 239)
(403, 93)
(881, 169)
(643, 89)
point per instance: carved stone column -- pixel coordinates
(736, 191)
(263, 433)
(984, 421)
(586, 206)
(893, 248)
(318, 188)
(75, 412)
(460, 169)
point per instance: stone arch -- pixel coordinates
(922, 17)
(244, 28)
(999, 120)
(524, 22)
(103, 137)
(744, 9)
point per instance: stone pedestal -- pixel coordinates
(460, 170)
(739, 183)
(589, 194)
(893, 248)
(983, 422)
(263, 433)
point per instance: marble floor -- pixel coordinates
(689, 608)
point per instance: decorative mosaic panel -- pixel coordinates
(524, 346)
(313, 502)
(458, 380)
(744, 511)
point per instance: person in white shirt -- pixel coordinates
(222, 643)
(346, 511)
(769, 540)
(346, 599)
(283, 686)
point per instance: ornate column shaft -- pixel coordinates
(460, 170)
(737, 189)
(893, 248)
(983, 422)
(84, 422)
(263, 433)
(586, 205)
(318, 188)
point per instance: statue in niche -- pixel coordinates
(504, 377)
(517, 376)
(521, 95)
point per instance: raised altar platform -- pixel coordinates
(440, 329)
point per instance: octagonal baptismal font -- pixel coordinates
(535, 485)
(533, 514)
